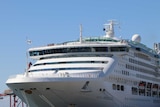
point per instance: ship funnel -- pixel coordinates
(157, 47)
(109, 28)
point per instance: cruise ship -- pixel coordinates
(102, 71)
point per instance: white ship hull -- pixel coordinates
(69, 92)
(93, 72)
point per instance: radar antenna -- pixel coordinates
(109, 28)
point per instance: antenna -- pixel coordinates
(109, 28)
(27, 56)
(157, 47)
(80, 38)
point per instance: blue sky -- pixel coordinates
(51, 21)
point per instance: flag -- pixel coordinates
(29, 65)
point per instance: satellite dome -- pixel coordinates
(136, 38)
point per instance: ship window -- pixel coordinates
(154, 94)
(118, 87)
(141, 63)
(119, 49)
(68, 50)
(138, 49)
(148, 93)
(79, 49)
(34, 53)
(143, 56)
(149, 85)
(134, 91)
(125, 72)
(55, 69)
(114, 86)
(101, 49)
(70, 62)
(142, 92)
(122, 88)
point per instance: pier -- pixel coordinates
(12, 99)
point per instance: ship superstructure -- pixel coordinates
(91, 72)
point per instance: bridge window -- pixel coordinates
(68, 50)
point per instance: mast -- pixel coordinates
(80, 38)
(109, 29)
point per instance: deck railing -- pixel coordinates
(58, 75)
(66, 75)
